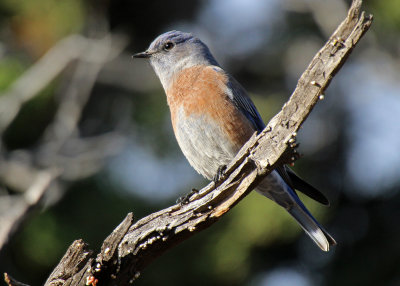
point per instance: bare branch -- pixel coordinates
(78, 91)
(132, 246)
(19, 207)
(48, 68)
(11, 281)
(31, 180)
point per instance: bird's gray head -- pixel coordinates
(174, 51)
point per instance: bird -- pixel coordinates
(213, 117)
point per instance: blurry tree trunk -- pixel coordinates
(132, 246)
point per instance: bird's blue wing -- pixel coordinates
(239, 97)
(246, 106)
(244, 103)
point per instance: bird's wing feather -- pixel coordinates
(239, 97)
(296, 183)
(244, 103)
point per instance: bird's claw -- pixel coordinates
(220, 173)
(184, 200)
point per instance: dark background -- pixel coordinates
(121, 155)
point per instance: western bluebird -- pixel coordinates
(213, 117)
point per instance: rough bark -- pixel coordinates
(132, 246)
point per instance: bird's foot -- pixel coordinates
(184, 200)
(220, 173)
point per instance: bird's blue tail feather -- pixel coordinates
(309, 224)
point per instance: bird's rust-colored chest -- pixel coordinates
(202, 91)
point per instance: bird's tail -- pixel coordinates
(309, 224)
(276, 189)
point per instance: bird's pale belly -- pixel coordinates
(206, 147)
(204, 144)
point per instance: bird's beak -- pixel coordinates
(144, 55)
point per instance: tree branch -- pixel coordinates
(132, 246)
(37, 77)
(34, 180)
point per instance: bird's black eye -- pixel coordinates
(168, 46)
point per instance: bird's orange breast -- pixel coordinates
(202, 91)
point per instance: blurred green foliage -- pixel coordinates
(387, 15)
(10, 69)
(38, 25)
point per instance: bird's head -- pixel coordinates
(174, 51)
